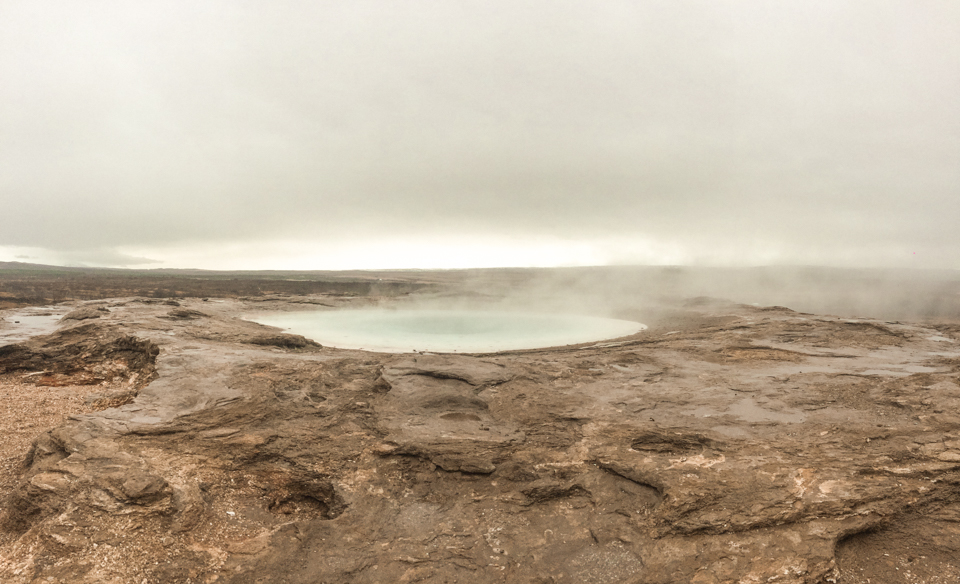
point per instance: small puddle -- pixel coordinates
(21, 324)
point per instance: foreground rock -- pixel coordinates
(725, 444)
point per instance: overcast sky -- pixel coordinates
(374, 134)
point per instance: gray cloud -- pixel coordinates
(828, 130)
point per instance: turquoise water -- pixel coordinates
(465, 331)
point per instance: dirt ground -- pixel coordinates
(156, 440)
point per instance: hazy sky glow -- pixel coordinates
(322, 135)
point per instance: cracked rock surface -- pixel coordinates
(727, 443)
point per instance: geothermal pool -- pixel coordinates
(465, 331)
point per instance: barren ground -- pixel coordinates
(169, 441)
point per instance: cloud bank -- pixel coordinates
(658, 132)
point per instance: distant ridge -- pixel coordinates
(38, 267)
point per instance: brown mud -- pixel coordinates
(727, 443)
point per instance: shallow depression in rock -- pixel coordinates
(447, 330)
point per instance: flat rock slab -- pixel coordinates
(436, 409)
(471, 370)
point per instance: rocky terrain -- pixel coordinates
(34, 284)
(727, 443)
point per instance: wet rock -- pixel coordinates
(470, 370)
(190, 508)
(304, 495)
(548, 490)
(85, 313)
(615, 463)
(83, 355)
(185, 314)
(142, 487)
(468, 463)
(657, 440)
(285, 341)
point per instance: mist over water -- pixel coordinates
(634, 292)
(469, 331)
